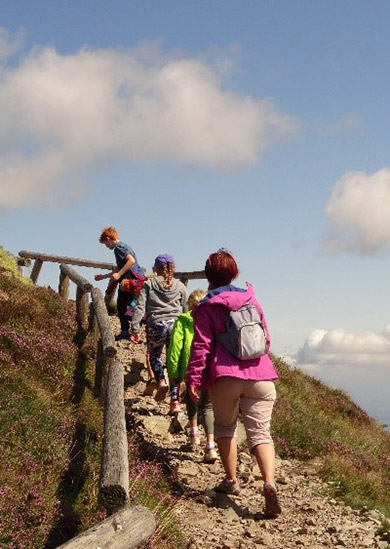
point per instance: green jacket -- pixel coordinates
(179, 349)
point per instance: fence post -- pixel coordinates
(63, 286)
(82, 306)
(36, 270)
(114, 490)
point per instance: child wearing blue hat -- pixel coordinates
(162, 299)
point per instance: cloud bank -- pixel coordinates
(338, 347)
(358, 211)
(62, 114)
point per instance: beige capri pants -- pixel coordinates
(256, 399)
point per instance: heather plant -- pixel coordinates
(312, 420)
(50, 444)
(149, 486)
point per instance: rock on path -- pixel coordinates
(217, 521)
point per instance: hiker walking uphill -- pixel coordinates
(177, 360)
(233, 381)
(162, 299)
(128, 275)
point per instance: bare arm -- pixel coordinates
(116, 274)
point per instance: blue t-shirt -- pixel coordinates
(121, 252)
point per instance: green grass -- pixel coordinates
(313, 420)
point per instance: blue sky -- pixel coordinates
(259, 126)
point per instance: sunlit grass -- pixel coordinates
(312, 419)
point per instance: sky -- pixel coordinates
(262, 127)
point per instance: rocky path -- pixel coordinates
(217, 521)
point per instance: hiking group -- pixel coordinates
(217, 347)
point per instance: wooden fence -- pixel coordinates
(126, 527)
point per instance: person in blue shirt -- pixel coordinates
(128, 275)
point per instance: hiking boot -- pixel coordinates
(161, 392)
(228, 486)
(210, 455)
(122, 335)
(151, 386)
(272, 507)
(174, 408)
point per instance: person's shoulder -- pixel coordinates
(122, 246)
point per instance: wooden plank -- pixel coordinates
(67, 260)
(114, 487)
(126, 529)
(75, 277)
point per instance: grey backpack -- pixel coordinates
(245, 336)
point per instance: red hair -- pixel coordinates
(221, 268)
(108, 233)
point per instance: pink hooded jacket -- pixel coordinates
(209, 359)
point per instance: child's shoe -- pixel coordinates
(151, 386)
(210, 455)
(161, 392)
(272, 506)
(122, 335)
(174, 408)
(228, 486)
(194, 440)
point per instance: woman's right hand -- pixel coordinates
(194, 393)
(98, 277)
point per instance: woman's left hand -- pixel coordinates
(194, 393)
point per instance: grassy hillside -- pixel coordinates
(51, 426)
(49, 423)
(312, 420)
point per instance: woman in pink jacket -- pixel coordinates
(233, 382)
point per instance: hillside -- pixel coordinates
(49, 423)
(333, 465)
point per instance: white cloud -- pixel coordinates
(338, 347)
(349, 122)
(9, 44)
(62, 114)
(359, 211)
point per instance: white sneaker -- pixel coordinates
(194, 440)
(210, 455)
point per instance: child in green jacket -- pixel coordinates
(178, 355)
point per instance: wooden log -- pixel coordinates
(82, 308)
(99, 371)
(93, 327)
(23, 262)
(63, 286)
(103, 320)
(75, 277)
(67, 260)
(190, 275)
(114, 488)
(36, 270)
(126, 529)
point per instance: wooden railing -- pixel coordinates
(40, 258)
(126, 527)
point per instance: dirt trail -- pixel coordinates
(218, 521)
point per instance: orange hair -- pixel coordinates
(108, 233)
